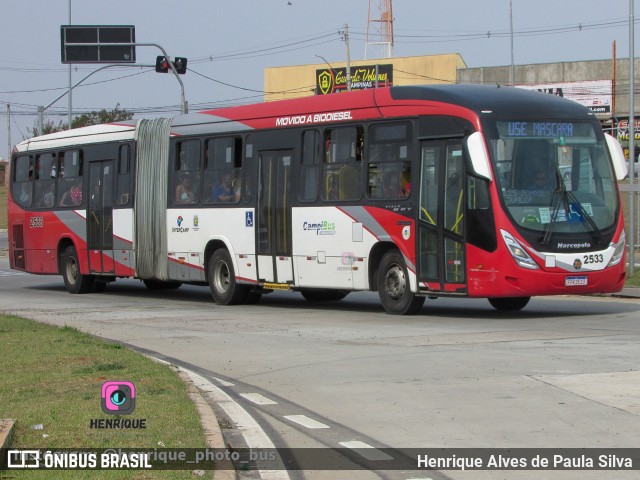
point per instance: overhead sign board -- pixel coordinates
(596, 95)
(332, 80)
(98, 43)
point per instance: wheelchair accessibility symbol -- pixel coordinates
(248, 219)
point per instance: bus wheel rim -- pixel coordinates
(222, 277)
(72, 269)
(395, 282)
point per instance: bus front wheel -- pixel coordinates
(74, 281)
(393, 286)
(222, 280)
(509, 304)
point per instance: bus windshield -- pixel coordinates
(554, 177)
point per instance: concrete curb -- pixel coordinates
(209, 422)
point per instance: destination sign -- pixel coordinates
(541, 129)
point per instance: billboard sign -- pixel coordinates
(333, 80)
(596, 95)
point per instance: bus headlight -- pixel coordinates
(520, 256)
(618, 253)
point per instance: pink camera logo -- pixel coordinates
(118, 398)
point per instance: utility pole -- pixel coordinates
(513, 68)
(348, 64)
(632, 143)
(8, 131)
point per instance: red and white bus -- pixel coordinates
(416, 191)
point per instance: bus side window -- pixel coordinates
(247, 169)
(186, 172)
(342, 163)
(389, 169)
(69, 178)
(309, 169)
(123, 180)
(22, 181)
(45, 180)
(223, 170)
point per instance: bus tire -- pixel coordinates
(152, 284)
(393, 286)
(74, 281)
(509, 304)
(323, 294)
(222, 280)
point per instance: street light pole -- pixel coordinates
(42, 109)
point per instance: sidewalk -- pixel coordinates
(628, 292)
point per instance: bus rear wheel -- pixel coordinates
(74, 281)
(222, 280)
(509, 304)
(393, 286)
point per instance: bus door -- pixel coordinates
(273, 226)
(441, 223)
(100, 217)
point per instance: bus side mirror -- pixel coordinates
(617, 157)
(479, 156)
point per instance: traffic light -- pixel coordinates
(162, 64)
(179, 63)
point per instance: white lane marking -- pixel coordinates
(305, 421)
(223, 383)
(251, 431)
(367, 451)
(258, 399)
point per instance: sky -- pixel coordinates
(228, 45)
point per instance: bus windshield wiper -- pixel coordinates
(564, 198)
(558, 200)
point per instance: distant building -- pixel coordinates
(595, 83)
(324, 78)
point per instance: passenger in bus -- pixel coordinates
(223, 191)
(72, 197)
(392, 185)
(184, 190)
(539, 181)
(25, 192)
(49, 196)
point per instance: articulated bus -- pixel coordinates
(413, 192)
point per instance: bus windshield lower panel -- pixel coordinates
(556, 182)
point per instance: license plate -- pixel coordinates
(575, 281)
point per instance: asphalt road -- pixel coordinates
(563, 373)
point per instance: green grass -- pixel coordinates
(53, 376)
(3, 207)
(633, 280)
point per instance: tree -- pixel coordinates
(103, 116)
(84, 120)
